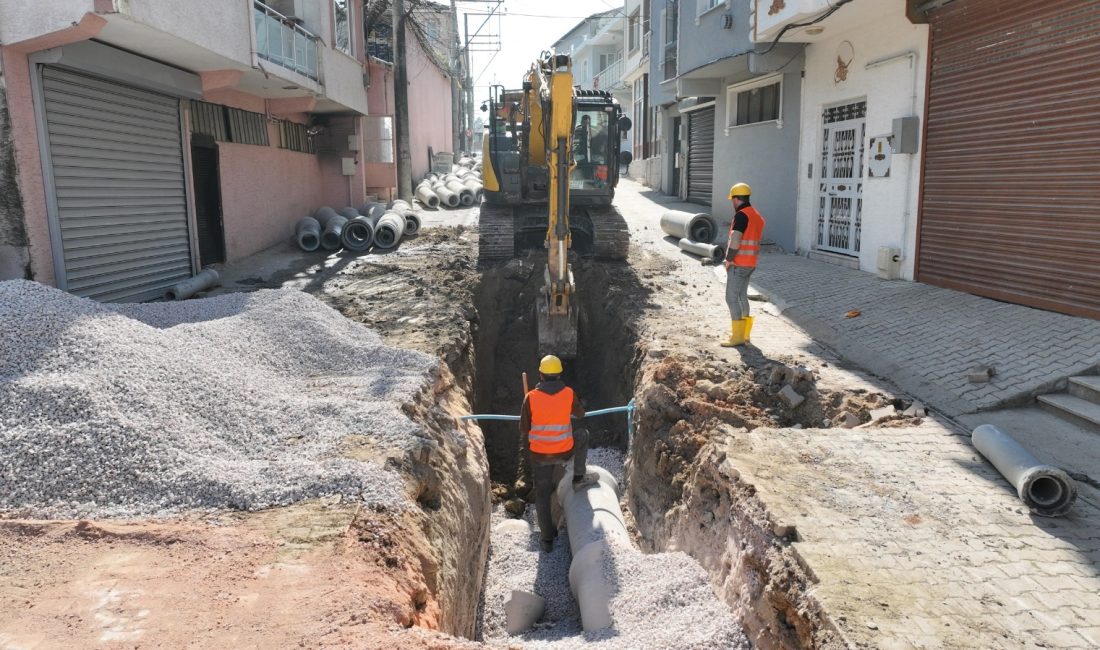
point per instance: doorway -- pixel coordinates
(208, 199)
(840, 190)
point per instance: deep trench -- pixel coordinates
(602, 374)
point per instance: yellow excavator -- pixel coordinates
(550, 165)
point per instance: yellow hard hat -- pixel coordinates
(550, 365)
(741, 189)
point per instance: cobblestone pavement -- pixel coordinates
(915, 540)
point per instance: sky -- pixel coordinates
(526, 28)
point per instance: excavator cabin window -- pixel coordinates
(591, 150)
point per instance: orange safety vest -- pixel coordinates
(749, 251)
(551, 428)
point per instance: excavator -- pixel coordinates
(550, 165)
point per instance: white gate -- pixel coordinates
(840, 191)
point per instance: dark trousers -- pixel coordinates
(542, 473)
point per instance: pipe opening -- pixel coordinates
(1046, 491)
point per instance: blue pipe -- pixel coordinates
(629, 408)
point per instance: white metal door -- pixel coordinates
(840, 191)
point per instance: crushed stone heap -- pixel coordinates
(240, 401)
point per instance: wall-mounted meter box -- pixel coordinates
(906, 134)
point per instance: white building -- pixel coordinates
(635, 75)
(862, 108)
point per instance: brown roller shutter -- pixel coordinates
(1011, 195)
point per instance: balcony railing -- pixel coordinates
(610, 77)
(645, 44)
(282, 41)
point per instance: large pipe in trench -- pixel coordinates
(308, 234)
(201, 281)
(593, 520)
(1047, 490)
(702, 250)
(699, 226)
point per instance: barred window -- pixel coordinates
(227, 124)
(293, 136)
(209, 119)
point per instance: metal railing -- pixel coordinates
(283, 42)
(610, 77)
(645, 44)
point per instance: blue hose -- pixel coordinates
(628, 409)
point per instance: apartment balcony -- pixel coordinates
(282, 41)
(610, 78)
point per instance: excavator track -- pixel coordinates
(611, 235)
(496, 233)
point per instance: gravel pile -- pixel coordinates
(240, 401)
(659, 601)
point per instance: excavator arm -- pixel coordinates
(552, 79)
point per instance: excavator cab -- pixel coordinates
(551, 163)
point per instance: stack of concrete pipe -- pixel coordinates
(693, 232)
(372, 225)
(461, 187)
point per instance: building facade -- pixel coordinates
(148, 138)
(725, 114)
(596, 47)
(862, 106)
(645, 166)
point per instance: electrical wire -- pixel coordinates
(790, 26)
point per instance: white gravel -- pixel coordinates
(240, 401)
(659, 601)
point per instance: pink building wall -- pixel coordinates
(429, 108)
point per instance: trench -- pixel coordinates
(678, 494)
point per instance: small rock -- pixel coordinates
(847, 420)
(796, 426)
(782, 530)
(515, 506)
(980, 374)
(776, 375)
(915, 410)
(522, 487)
(884, 412)
(790, 396)
(826, 423)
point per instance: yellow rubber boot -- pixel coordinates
(737, 334)
(748, 321)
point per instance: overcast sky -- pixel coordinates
(526, 28)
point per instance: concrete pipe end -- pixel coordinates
(1047, 491)
(309, 242)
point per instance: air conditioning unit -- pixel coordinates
(889, 263)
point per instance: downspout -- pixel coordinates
(907, 215)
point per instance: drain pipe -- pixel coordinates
(702, 250)
(308, 233)
(699, 226)
(201, 281)
(1047, 490)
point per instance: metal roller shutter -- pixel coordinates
(117, 166)
(700, 171)
(1012, 154)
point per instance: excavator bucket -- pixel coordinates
(557, 333)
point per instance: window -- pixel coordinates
(342, 24)
(633, 25)
(707, 5)
(672, 32)
(760, 101)
(227, 124)
(293, 136)
(378, 139)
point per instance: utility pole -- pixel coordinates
(456, 92)
(401, 103)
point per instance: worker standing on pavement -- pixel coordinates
(546, 423)
(742, 253)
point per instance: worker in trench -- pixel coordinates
(742, 253)
(547, 424)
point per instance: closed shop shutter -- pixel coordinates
(1012, 154)
(117, 165)
(700, 169)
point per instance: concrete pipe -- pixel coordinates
(333, 226)
(702, 250)
(465, 195)
(372, 207)
(522, 609)
(593, 519)
(390, 229)
(698, 227)
(308, 234)
(426, 196)
(466, 162)
(446, 196)
(201, 281)
(358, 234)
(476, 187)
(412, 224)
(400, 205)
(1047, 490)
